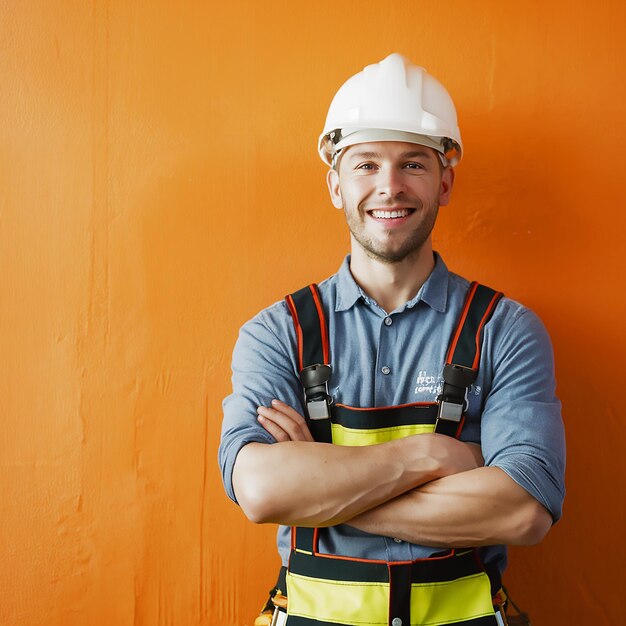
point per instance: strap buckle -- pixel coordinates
(453, 399)
(314, 379)
(450, 410)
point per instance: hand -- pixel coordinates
(283, 422)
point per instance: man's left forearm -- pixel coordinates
(480, 507)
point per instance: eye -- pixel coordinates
(413, 165)
(365, 166)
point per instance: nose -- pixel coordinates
(390, 182)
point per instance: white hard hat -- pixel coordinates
(393, 100)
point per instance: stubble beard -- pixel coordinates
(390, 254)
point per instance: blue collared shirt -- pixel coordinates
(385, 359)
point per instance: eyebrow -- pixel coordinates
(405, 155)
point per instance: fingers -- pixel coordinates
(289, 412)
(272, 428)
(283, 422)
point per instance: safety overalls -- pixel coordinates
(451, 587)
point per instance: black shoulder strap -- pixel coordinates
(309, 320)
(306, 309)
(463, 358)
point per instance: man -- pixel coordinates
(451, 384)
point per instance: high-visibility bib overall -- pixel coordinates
(452, 587)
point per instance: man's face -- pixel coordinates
(390, 192)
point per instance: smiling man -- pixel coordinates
(398, 422)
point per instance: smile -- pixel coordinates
(387, 215)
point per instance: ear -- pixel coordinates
(445, 186)
(332, 180)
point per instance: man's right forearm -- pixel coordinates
(317, 484)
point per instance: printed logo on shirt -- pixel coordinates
(427, 383)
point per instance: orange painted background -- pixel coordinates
(159, 184)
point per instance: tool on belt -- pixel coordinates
(274, 613)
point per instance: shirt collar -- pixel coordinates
(348, 292)
(434, 292)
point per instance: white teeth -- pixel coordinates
(390, 214)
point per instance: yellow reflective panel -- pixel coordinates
(361, 604)
(342, 602)
(366, 437)
(452, 601)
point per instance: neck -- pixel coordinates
(392, 284)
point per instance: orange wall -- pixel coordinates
(159, 184)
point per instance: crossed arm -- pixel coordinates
(427, 489)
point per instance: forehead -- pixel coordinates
(388, 150)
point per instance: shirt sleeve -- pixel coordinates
(521, 428)
(263, 369)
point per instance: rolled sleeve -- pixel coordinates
(522, 431)
(262, 370)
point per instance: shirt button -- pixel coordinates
(388, 321)
(385, 370)
(397, 540)
(396, 621)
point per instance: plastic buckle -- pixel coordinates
(450, 411)
(458, 375)
(318, 409)
(314, 379)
